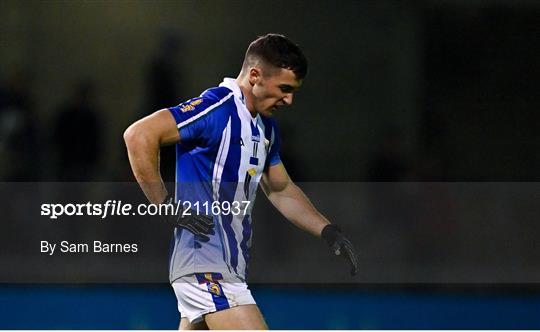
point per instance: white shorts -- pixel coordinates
(202, 293)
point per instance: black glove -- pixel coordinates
(198, 224)
(340, 245)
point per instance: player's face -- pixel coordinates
(273, 90)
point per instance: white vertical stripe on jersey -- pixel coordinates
(221, 158)
(244, 166)
(239, 196)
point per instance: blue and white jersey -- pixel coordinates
(221, 156)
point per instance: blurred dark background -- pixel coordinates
(435, 95)
(397, 90)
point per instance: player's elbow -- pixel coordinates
(129, 135)
(133, 136)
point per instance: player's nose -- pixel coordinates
(288, 99)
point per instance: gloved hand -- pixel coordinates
(198, 224)
(340, 245)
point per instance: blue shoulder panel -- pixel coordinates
(270, 125)
(191, 116)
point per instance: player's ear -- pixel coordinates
(255, 75)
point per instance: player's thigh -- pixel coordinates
(186, 325)
(242, 317)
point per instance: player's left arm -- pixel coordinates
(291, 201)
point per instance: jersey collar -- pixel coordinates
(230, 83)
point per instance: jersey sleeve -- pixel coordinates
(273, 154)
(190, 118)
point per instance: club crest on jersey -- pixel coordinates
(256, 138)
(191, 105)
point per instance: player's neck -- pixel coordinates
(245, 87)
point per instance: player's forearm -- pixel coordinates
(297, 208)
(143, 153)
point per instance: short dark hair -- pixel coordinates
(278, 51)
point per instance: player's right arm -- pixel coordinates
(143, 141)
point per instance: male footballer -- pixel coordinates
(227, 143)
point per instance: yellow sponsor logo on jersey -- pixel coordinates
(187, 108)
(196, 102)
(191, 105)
(252, 171)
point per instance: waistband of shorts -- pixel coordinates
(227, 275)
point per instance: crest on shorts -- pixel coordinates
(214, 289)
